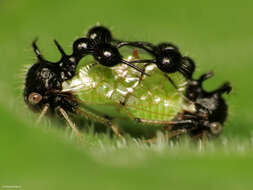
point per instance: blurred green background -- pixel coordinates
(218, 35)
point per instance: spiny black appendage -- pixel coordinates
(205, 76)
(225, 88)
(210, 102)
(43, 83)
(67, 64)
(36, 50)
(100, 34)
(195, 87)
(60, 48)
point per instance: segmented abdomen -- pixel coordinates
(128, 92)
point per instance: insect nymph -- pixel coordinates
(150, 94)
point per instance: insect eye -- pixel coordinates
(34, 98)
(215, 128)
(100, 34)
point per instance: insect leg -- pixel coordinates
(194, 115)
(205, 130)
(159, 122)
(100, 119)
(42, 113)
(115, 129)
(170, 135)
(70, 123)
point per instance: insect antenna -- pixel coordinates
(70, 123)
(42, 113)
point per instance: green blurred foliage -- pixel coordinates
(216, 34)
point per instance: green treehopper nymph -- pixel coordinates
(147, 94)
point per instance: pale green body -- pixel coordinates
(121, 92)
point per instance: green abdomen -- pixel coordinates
(122, 92)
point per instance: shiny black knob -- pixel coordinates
(100, 34)
(107, 55)
(168, 58)
(83, 46)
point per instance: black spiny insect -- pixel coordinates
(141, 95)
